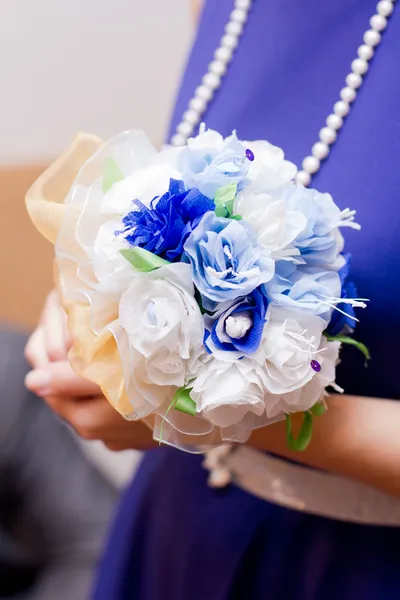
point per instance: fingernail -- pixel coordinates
(38, 381)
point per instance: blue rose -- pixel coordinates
(164, 227)
(346, 320)
(236, 330)
(227, 262)
(209, 162)
(304, 288)
(317, 243)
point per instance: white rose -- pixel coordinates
(305, 397)
(163, 321)
(111, 269)
(276, 226)
(144, 185)
(144, 396)
(225, 392)
(269, 170)
(290, 343)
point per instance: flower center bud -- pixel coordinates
(236, 326)
(156, 315)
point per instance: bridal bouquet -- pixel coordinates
(207, 292)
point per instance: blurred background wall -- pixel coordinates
(96, 65)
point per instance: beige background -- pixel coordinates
(92, 65)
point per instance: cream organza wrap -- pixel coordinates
(63, 205)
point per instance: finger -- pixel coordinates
(35, 349)
(92, 418)
(55, 326)
(58, 379)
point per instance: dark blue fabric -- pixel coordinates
(175, 538)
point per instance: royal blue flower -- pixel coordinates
(164, 227)
(226, 259)
(344, 322)
(237, 330)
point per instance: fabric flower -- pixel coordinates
(225, 392)
(163, 321)
(276, 225)
(226, 260)
(305, 289)
(164, 227)
(236, 330)
(269, 170)
(317, 242)
(210, 162)
(344, 318)
(314, 391)
(290, 342)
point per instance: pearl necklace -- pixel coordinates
(328, 134)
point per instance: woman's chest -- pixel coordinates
(285, 78)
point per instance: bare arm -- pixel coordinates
(357, 437)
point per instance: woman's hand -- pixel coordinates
(77, 401)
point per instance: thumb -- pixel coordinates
(58, 379)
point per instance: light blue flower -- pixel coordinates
(226, 260)
(304, 288)
(209, 162)
(318, 242)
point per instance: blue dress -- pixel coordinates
(175, 538)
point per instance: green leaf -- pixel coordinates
(344, 339)
(184, 403)
(142, 260)
(303, 439)
(318, 409)
(224, 198)
(237, 217)
(112, 174)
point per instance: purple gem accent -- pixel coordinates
(249, 155)
(315, 365)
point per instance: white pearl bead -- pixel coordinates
(341, 108)
(204, 92)
(320, 151)
(243, 4)
(239, 14)
(191, 116)
(359, 66)
(234, 28)
(372, 37)
(229, 41)
(198, 104)
(384, 8)
(327, 135)
(334, 121)
(219, 478)
(223, 54)
(217, 67)
(178, 140)
(365, 52)
(378, 23)
(348, 94)
(212, 80)
(303, 178)
(354, 80)
(310, 164)
(185, 128)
